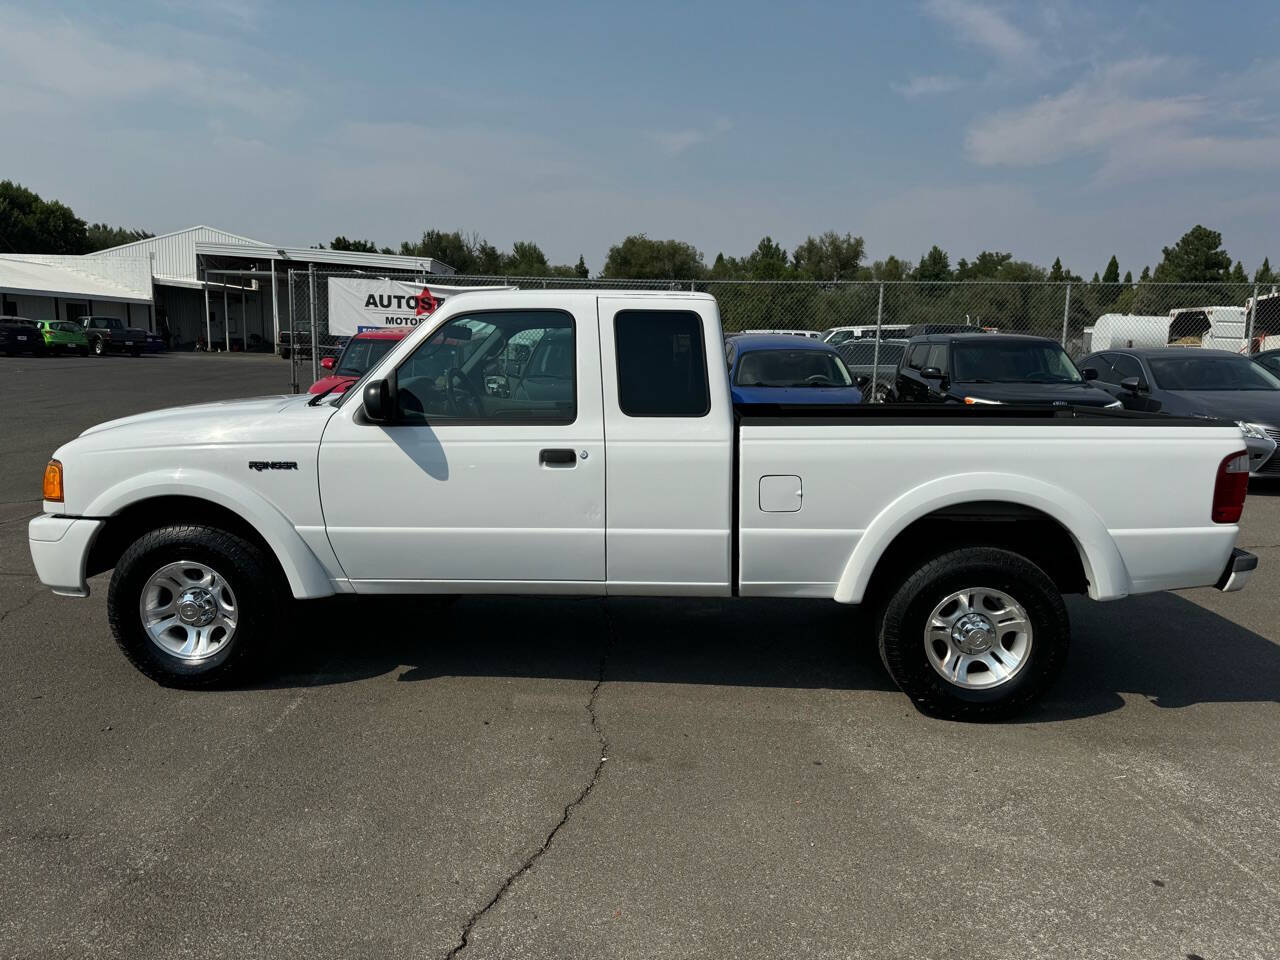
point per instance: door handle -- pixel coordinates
(557, 457)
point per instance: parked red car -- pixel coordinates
(361, 352)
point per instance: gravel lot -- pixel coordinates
(419, 777)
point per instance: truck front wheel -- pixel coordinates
(194, 606)
(975, 634)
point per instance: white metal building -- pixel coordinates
(201, 285)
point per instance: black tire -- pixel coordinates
(902, 633)
(98, 347)
(253, 577)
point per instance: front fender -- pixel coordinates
(1103, 564)
(306, 575)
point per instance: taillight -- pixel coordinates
(1232, 485)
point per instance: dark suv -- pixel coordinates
(993, 368)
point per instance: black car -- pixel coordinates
(20, 335)
(861, 357)
(110, 335)
(993, 368)
(1269, 359)
(1189, 381)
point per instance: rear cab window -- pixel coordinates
(662, 367)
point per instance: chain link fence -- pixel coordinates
(875, 316)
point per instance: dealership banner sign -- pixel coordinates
(357, 304)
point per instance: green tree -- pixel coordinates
(768, 261)
(1146, 274)
(101, 236)
(828, 257)
(526, 260)
(985, 267)
(1055, 272)
(29, 224)
(1128, 278)
(934, 265)
(1264, 274)
(639, 258)
(580, 270)
(354, 246)
(451, 248)
(1197, 257)
(1238, 274)
(1112, 273)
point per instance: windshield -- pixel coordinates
(863, 353)
(360, 355)
(111, 323)
(1211, 373)
(1011, 361)
(792, 368)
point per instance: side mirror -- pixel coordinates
(931, 373)
(379, 402)
(861, 381)
(1134, 385)
(327, 363)
(1089, 373)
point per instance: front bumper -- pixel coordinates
(1239, 569)
(59, 548)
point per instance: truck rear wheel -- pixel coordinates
(194, 606)
(975, 634)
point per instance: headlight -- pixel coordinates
(978, 401)
(53, 481)
(1255, 430)
(1114, 405)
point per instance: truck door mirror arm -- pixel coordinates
(1134, 385)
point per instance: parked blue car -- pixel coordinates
(775, 368)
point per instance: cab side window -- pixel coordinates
(504, 367)
(937, 356)
(916, 355)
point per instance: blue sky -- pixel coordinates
(1072, 129)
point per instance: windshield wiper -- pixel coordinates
(320, 396)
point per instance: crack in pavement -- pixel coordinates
(572, 805)
(31, 598)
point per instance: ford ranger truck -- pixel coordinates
(584, 442)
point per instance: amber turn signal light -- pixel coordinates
(53, 481)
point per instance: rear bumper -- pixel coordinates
(1238, 571)
(59, 548)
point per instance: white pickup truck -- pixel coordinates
(584, 442)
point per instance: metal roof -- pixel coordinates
(305, 255)
(175, 253)
(127, 281)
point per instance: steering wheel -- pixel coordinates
(454, 396)
(818, 379)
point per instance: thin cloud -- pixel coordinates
(675, 142)
(986, 28)
(927, 86)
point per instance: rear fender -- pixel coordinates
(1103, 565)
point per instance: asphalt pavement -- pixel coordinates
(567, 778)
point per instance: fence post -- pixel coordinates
(208, 324)
(226, 315)
(1066, 314)
(875, 351)
(1248, 323)
(315, 355)
(293, 338)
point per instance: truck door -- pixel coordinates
(668, 433)
(492, 478)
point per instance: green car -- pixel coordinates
(65, 336)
